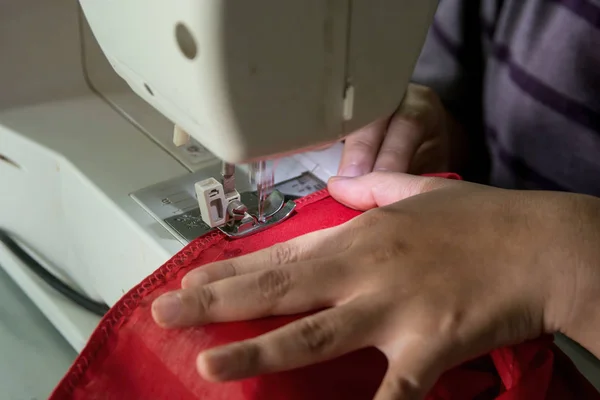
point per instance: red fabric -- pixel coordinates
(129, 357)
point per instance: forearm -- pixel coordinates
(581, 299)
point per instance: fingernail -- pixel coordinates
(342, 181)
(167, 309)
(216, 364)
(338, 178)
(351, 171)
(195, 278)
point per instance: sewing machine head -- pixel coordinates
(260, 79)
(255, 79)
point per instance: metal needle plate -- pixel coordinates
(276, 211)
(273, 204)
(174, 204)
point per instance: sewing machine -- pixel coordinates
(128, 128)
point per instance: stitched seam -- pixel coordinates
(123, 309)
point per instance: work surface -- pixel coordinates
(33, 356)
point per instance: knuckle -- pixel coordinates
(424, 94)
(204, 299)
(451, 324)
(411, 120)
(392, 160)
(391, 152)
(230, 269)
(420, 107)
(281, 254)
(248, 358)
(390, 247)
(344, 239)
(316, 336)
(274, 284)
(428, 94)
(360, 143)
(222, 270)
(390, 250)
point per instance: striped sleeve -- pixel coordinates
(443, 64)
(452, 63)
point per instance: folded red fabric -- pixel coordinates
(130, 357)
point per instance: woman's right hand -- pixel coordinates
(415, 139)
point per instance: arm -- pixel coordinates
(471, 269)
(579, 304)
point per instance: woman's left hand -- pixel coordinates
(437, 272)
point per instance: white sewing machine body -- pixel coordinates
(258, 78)
(79, 147)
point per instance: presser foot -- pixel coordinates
(174, 204)
(244, 221)
(221, 206)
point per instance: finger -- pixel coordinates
(401, 142)
(361, 148)
(413, 369)
(417, 119)
(320, 337)
(379, 189)
(307, 247)
(286, 290)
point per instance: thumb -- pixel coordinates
(413, 369)
(379, 189)
(402, 382)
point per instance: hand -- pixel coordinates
(452, 271)
(414, 139)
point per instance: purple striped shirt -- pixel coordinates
(540, 87)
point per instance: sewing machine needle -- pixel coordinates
(264, 176)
